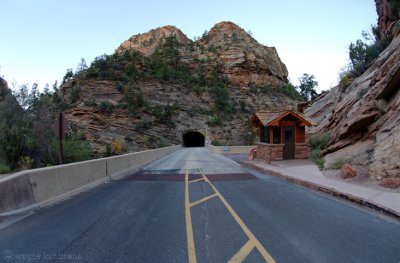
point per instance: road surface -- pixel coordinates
(195, 206)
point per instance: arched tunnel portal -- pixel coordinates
(193, 139)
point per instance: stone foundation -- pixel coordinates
(302, 151)
(274, 152)
(269, 152)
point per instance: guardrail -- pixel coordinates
(29, 189)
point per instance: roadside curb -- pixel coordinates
(327, 190)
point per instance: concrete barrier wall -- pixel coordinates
(118, 166)
(52, 182)
(230, 149)
(15, 192)
(46, 185)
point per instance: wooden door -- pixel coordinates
(288, 141)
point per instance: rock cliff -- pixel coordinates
(242, 58)
(159, 84)
(363, 120)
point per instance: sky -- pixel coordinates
(41, 39)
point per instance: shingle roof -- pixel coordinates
(267, 117)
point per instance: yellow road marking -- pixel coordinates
(189, 227)
(243, 252)
(203, 200)
(197, 180)
(245, 229)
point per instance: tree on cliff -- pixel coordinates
(307, 87)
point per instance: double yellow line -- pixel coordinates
(245, 250)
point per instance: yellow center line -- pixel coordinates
(189, 227)
(203, 200)
(243, 252)
(268, 258)
(197, 180)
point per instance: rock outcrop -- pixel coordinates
(388, 17)
(170, 106)
(242, 58)
(146, 43)
(363, 119)
(245, 60)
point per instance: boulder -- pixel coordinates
(391, 183)
(348, 171)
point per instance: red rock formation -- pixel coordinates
(242, 58)
(387, 18)
(363, 120)
(348, 171)
(390, 183)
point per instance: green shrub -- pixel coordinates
(143, 124)
(162, 143)
(74, 95)
(4, 168)
(90, 103)
(106, 107)
(216, 143)
(382, 106)
(319, 140)
(214, 121)
(107, 150)
(316, 156)
(345, 80)
(76, 149)
(361, 54)
(338, 163)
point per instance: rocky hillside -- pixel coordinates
(363, 119)
(159, 84)
(242, 58)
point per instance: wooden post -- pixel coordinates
(60, 138)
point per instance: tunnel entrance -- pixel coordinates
(193, 139)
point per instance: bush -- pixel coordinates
(345, 80)
(143, 124)
(382, 106)
(362, 54)
(4, 168)
(75, 149)
(338, 163)
(214, 121)
(319, 140)
(90, 103)
(216, 143)
(162, 143)
(106, 107)
(317, 158)
(118, 147)
(74, 94)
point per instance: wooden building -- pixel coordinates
(282, 135)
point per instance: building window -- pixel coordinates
(277, 134)
(264, 134)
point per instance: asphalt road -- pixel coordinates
(196, 206)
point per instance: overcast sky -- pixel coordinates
(41, 39)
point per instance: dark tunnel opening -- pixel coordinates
(193, 139)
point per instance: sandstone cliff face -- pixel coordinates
(363, 120)
(388, 18)
(242, 58)
(226, 50)
(245, 60)
(146, 43)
